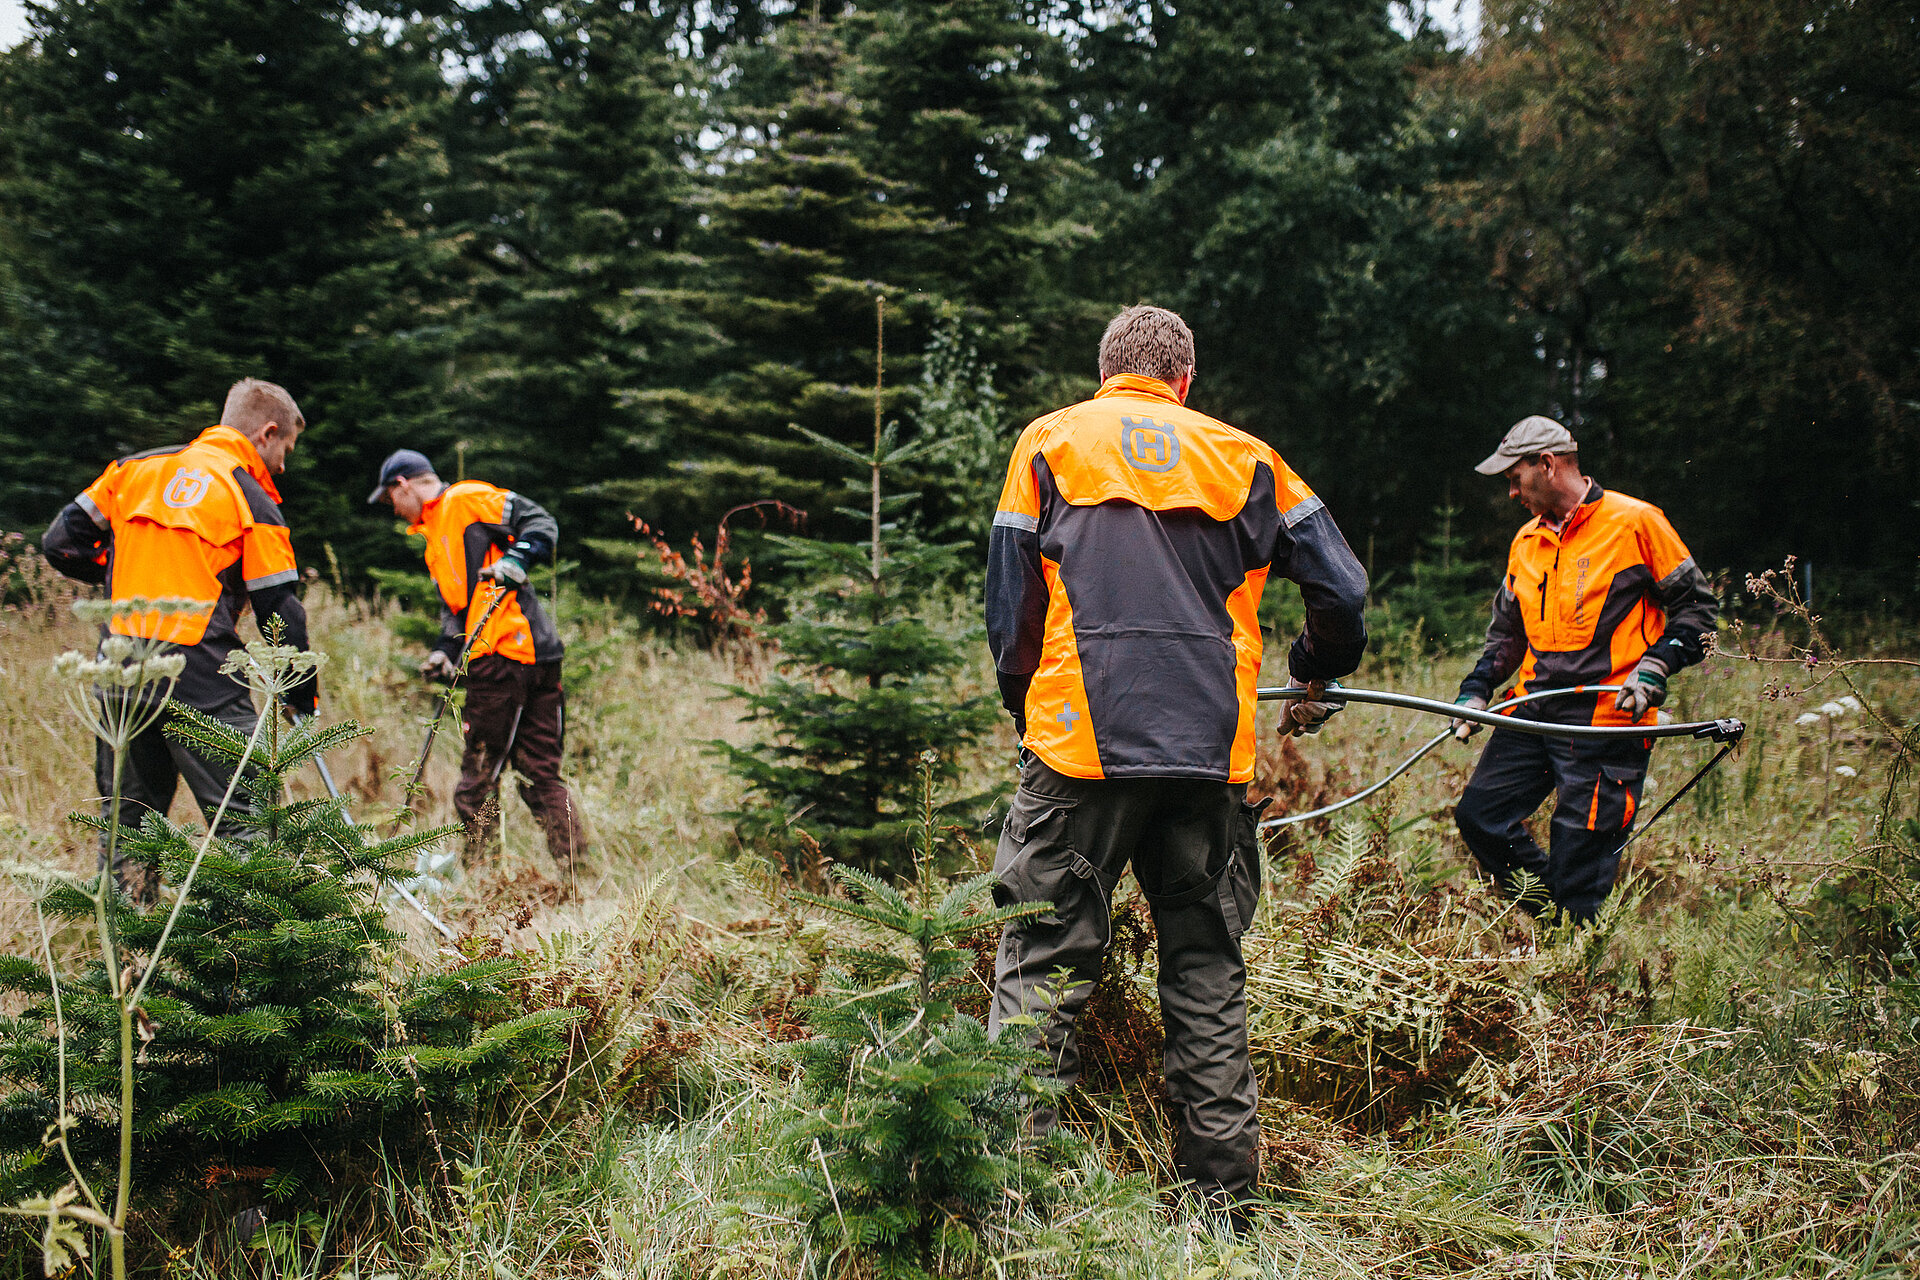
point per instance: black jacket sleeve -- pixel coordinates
(1506, 647)
(1016, 608)
(1692, 612)
(1311, 551)
(282, 601)
(76, 546)
(534, 531)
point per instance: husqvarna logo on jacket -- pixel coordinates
(188, 486)
(1148, 445)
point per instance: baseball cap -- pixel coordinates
(1528, 438)
(399, 464)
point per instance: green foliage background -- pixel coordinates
(614, 249)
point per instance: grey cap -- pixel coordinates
(1528, 438)
(399, 463)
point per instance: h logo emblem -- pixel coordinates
(187, 487)
(1148, 445)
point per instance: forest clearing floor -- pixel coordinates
(1720, 1079)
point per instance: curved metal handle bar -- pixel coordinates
(1718, 730)
(1422, 753)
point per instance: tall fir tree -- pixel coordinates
(202, 190)
(802, 232)
(574, 141)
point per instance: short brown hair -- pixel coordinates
(1150, 341)
(253, 403)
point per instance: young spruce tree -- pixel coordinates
(865, 682)
(911, 1137)
(247, 1037)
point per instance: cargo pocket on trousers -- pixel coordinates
(1036, 860)
(1240, 884)
(1616, 795)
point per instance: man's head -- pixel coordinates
(265, 414)
(1541, 461)
(1152, 342)
(407, 484)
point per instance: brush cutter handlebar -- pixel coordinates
(1728, 730)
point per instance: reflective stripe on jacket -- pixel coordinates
(199, 521)
(468, 526)
(1582, 604)
(1129, 552)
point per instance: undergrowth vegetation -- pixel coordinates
(1720, 1078)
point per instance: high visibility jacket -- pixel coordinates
(198, 521)
(1584, 602)
(468, 526)
(1131, 547)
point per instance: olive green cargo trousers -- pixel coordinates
(1194, 849)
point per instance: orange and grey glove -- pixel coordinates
(1646, 690)
(1464, 729)
(1306, 715)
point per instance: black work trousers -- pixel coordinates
(1192, 846)
(516, 713)
(154, 767)
(1597, 787)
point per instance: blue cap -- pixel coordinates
(400, 464)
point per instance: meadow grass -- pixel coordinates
(1717, 1080)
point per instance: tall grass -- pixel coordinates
(1708, 1084)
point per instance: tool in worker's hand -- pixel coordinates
(500, 594)
(333, 791)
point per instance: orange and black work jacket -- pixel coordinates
(468, 526)
(1133, 540)
(198, 521)
(1585, 601)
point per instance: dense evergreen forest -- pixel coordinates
(607, 251)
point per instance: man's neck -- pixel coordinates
(1568, 501)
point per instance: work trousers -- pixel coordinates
(1192, 846)
(1597, 784)
(155, 765)
(516, 713)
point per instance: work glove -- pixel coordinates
(1464, 729)
(507, 571)
(439, 667)
(1306, 715)
(304, 698)
(1646, 690)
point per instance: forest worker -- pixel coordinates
(1128, 555)
(1599, 590)
(482, 539)
(200, 522)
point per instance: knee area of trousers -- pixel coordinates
(1474, 814)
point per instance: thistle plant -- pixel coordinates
(913, 1134)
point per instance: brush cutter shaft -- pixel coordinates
(1422, 753)
(1718, 730)
(333, 791)
(460, 668)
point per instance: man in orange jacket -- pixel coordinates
(482, 540)
(1599, 590)
(201, 522)
(1131, 546)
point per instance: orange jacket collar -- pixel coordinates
(229, 441)
(1136, 384)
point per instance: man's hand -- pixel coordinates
(439, 667)
(1646, 690)
(1464, 729)
(1307, 714)
(507, 571)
